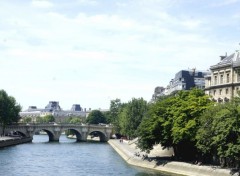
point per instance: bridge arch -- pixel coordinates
(77, 133)
(102, 136)
(49, 133)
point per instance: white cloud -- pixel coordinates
(87, 2)
(225, 3)
(42, 3)
(90, 56)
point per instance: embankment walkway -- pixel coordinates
(6, 141)
(134, 157)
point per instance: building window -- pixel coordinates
(220, 92)
(228, 78)
(221, 79)
(226, 91)
(215, 80)
(214, 92)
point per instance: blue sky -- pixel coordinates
(92, 51)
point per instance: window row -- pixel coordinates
(221, 91)
(221, 80)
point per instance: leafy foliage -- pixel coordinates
(75, 120)
(45, 119)
(27, 120)
(173, 122)
(131, 116)
(96, 117)
(156, 125)
(219, 133)
(114, 113)
(9, 109)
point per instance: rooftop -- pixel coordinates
(233, 59)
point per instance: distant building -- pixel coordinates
(53, 108)
(223, 82)
(185, 80)
(158, 91)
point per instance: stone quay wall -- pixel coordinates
(179, 168)
(14, 141)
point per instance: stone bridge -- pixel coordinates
(55, 130)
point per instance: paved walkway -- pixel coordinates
(129, 152)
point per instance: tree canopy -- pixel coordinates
(173, 122)
(114, 112)
(131, 116)
(9, 109)
(219, 133)
(46, 119)
(96, 117)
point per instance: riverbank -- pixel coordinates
(133, 156)
(9, 141)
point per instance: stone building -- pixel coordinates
(223, 82)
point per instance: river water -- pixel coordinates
(66, 157)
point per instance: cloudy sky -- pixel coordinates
(92, 51)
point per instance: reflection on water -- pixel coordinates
(66, 157)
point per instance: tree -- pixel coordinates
(27, 120)
(114, 112)
(9, 109)
(75, 120)
(156, 125)
(45, 119)
(173, 122)
(219, 134)
(107, 114)
(49, 118)
(96, 117)
(131, 117)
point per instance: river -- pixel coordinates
(65, 157)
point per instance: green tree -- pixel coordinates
(9, 109)
(49, 118)
(45, 119)
(27, 120)
(107, 114)
(114, 112)
(219, 133)
(156, 125)
(75, 120)
(173, 122)
(131, 116)
(96, 117)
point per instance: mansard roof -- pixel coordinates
(232, 59)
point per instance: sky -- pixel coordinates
(90, 52)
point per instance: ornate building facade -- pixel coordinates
(224, 81)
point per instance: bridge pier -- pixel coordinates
(83, 137)
(55, 136)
